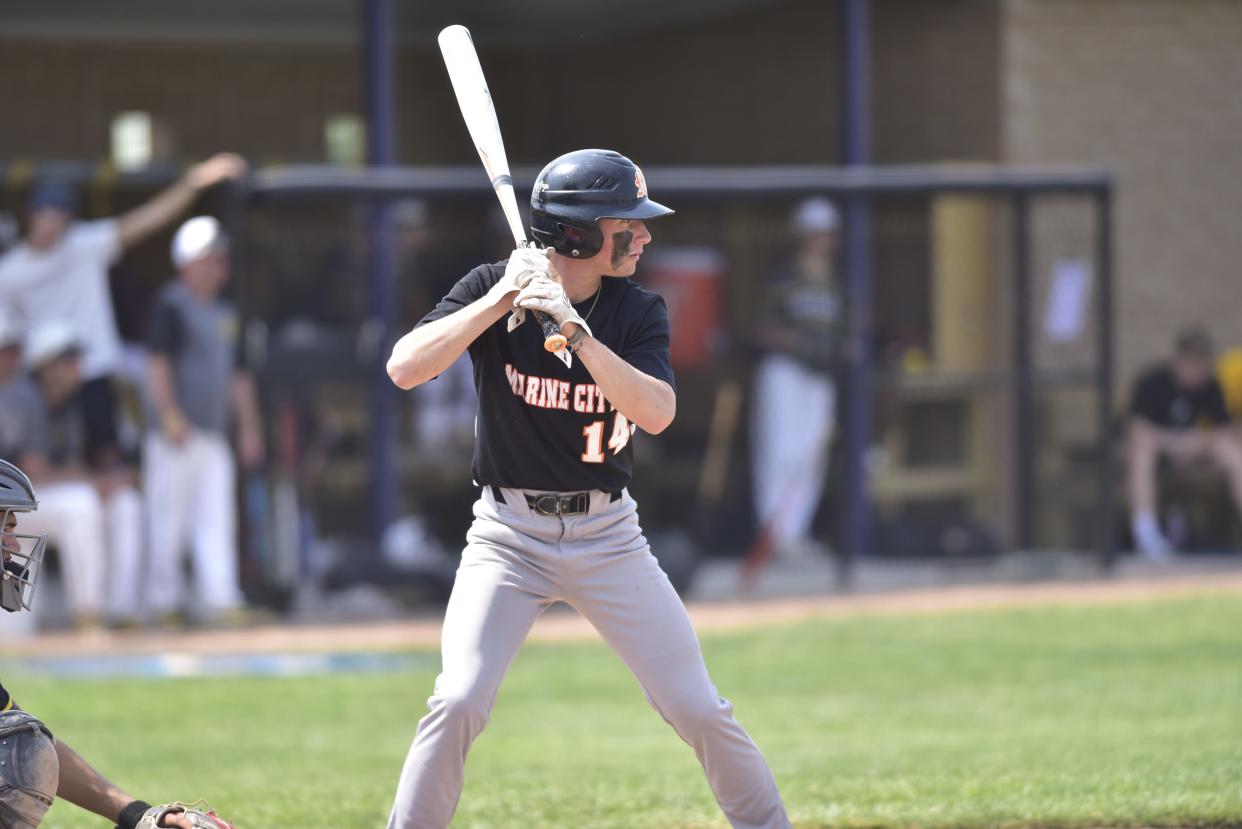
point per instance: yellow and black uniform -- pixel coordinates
(6, 702)
(809, 308)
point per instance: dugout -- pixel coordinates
(979, 367)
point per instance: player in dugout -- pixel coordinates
(1177, 416)
(35, 765)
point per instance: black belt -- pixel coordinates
(558, 503)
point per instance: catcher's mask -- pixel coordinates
(22, 554)
(29, 771)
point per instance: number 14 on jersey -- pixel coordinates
(622, 430)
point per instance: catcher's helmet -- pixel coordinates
(578, 189)
(22, 554)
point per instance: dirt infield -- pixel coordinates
(563, 625)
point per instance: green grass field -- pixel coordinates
(1093, 716)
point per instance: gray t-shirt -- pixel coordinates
(27, 425)
(201, 340)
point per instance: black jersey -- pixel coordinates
(1158, 399)
(541, 425)
(6, 702)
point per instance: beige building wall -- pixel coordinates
(1153, 90)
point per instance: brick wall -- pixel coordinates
(759, 85)
(1149, 88)
(936, 81)
(59, 99)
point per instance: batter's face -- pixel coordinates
(624, 240)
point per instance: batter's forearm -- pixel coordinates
(86, 788)
(644, 400)
(429, 350)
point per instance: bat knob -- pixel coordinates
(555, 343)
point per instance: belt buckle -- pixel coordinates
(548, 505)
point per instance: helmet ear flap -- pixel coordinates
(575, 235)
(578, 240)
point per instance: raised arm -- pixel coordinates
(168, 205)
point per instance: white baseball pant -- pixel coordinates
(517, 563)
(99, 542)
(793, 419)
(191, 500)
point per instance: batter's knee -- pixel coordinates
(696, 715)
(469, 707)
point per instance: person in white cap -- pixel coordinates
(197, 381)
(798, 335)
(94, 518)
(59, 271)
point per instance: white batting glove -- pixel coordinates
(524, 265)
(547, 295)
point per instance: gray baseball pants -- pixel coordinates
(517, 563)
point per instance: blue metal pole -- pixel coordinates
(856, 151)
(1025, 492)
(1105, 378)
(377, 54)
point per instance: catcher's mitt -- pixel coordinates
(200, 814)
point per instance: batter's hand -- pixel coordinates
(218, 168)
(524, 265)
(547, 295)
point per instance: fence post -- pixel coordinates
(1105, 379)
(856, 144)
(377, 53)
(1024, 397)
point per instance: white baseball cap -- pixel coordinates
(49, 341)
(198, 237)
(814, 215)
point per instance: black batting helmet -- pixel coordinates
(578, 189)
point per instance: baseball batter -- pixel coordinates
(553, 456)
